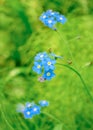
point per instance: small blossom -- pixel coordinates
(36, 110)
(40, 56)
(37, 67)
(29, 104)
(41, 79)
(61, 19)
(48, 12)
(31, 109)
(48, 75)
(44, 63)
(49, 64)
(28, 113)
(50, 22)
(50, 18)
(43, 103)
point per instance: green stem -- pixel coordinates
(51, 116)
(79, 75)
(7, 122)
(54, 118)
(3, 113)
(68, 47)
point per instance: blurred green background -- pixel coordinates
(22, 36)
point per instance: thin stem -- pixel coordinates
(3, 113)
(54, 118)
(51, 116)
(82, 80)
(75, 38)
(68, 47)
(7, 122)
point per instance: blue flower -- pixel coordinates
(28, 113)
(50, 22)
(31, 109)
(43, 63)
(48, 75)
(43, 103)
(40, 56)
(36, 110)
(48, 12)
(43, 17)
(50, 18)
(49, 64)
(29, 104)
(37, 67)
(61, 18)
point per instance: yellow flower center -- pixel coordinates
(49, 21)
(41, 56)
(35, 109)
(48, 74)
(49, 63)
(38, 66)
(28, 113)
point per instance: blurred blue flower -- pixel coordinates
(43, 103)
(28, 113)
(61, 18)
(55, 15)
(43, 17)
(49, 64)
(44, 62)
(29, 104)
(48, 12)
(40, 56)
(48, 75)
(36, 110)
(37, 67)
(50, 22)
(50, 18)
(31, 109)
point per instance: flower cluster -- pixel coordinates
(50, 18)
(45, 63)
(31, 109)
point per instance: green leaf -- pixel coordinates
(58, 127)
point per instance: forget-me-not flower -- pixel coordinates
(49, 64)
(50, 18)
(36, 110)
(44, 63)
(43, 103)
(40, 56)
(29, 104)
(31, 109)
(61, 19)
(28, 113)
(48, 75)
(50, 22)
(37, 67)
